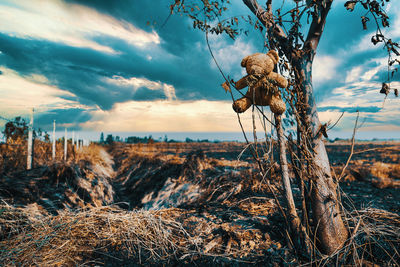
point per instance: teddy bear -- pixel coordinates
(263, 83)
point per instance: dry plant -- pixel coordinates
(13, 155)
(374, 239)
(76, 238)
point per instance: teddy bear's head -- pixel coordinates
(260, 64)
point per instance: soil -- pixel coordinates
(214, 189)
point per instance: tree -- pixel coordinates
(297, 53)
(16, 129)
(102, 138)
(109, 139)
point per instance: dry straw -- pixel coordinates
(76, 238)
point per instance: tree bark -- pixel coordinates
(291, 213)
(331, 231)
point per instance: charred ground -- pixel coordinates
(182, 203)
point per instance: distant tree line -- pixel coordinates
(147, 140)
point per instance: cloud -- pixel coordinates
(229, 54)
(189, 74)
(136, 83)
(372, 109)
(324, 68)
(364, 97)
(71, 24)
(98, 63)
(354, 74)
(20, 94)
(70, 118)
(165, 116)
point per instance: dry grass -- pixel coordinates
(106, 234)
(13, 155)
(374, 240)
(386, 170)
(94, 154)
(379, 174)
(376, 236)
(229, 228)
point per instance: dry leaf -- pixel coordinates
(226, 86)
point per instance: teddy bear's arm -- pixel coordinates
(242, 83)
(278, 79)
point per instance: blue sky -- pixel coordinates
(99, 66)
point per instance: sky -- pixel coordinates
(115, 66)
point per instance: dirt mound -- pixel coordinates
(141, 175)
(58, 186)
(161, 181)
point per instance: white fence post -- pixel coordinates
(54, 140)
(29, 160)
(65, 145)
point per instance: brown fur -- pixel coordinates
(263, 83)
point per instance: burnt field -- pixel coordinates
(184, 204)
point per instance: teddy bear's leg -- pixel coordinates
(242, 83)
(278, 79)
(277, 105)
(242, 104)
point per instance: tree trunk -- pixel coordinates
(291, 212)
(330, 229)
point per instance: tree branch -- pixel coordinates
(317, 27)
(266, 18)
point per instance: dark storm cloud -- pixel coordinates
(178, 61)
(181, 59)
(83, 71)
(69, 116)
(143, 94)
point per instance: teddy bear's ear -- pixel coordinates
(273, 55)
(244, 61)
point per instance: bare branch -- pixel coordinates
(317, 26)
(352, 147)
(266, 18)
(330, 128)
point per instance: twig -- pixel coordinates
(336, 121)
(352, 147)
